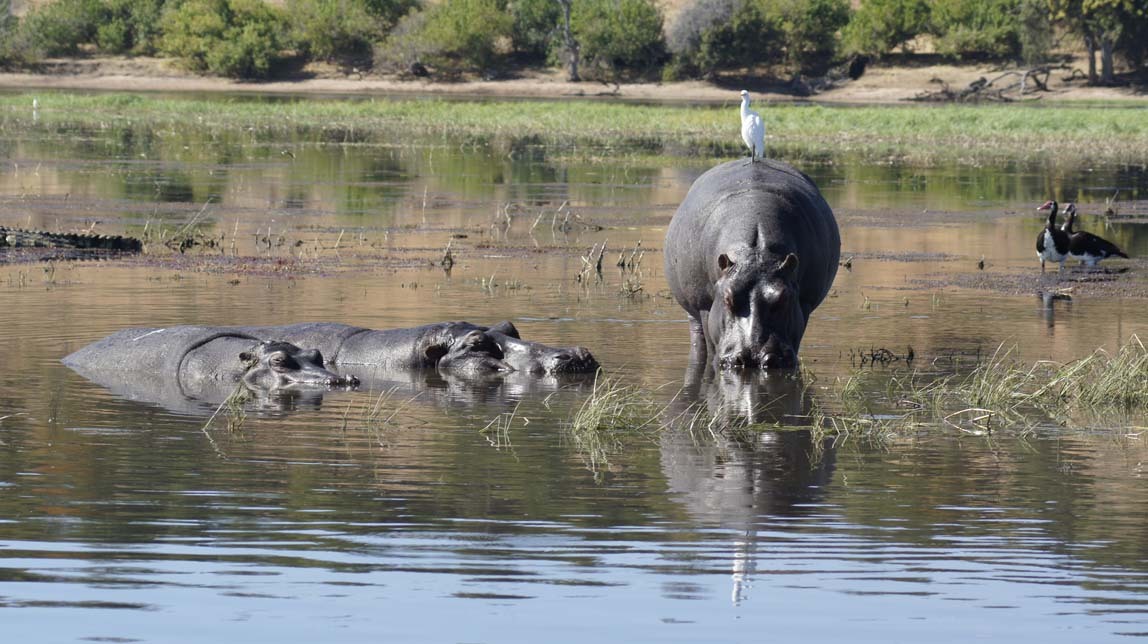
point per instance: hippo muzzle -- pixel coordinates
(569, 360)
(775, 353)
(282, 365)
(473, 353)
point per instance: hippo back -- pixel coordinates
(156, 351)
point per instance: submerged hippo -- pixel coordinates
(192, 357)
(191, 369)
(749, 254)
(207, 351)
(454, 347)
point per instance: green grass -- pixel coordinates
(612, 412)
(953, 131)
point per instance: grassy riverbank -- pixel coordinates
(1107, 132)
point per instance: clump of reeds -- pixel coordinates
(234, 409)
(497, 431)
(612, 411)
(378, 416)
(1100, 381)
(999, 392)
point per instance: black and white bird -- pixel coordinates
(1085, 246)
(752, 129)
(1052, 243)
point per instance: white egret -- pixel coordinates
(752, 129)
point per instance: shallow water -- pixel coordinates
(133, 519)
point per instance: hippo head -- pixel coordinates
(756, 320)
(473, 352)
(275, 365)
(537, 358)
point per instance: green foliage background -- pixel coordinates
(612, 39)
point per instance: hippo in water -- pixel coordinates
(191, 352)
(749, 254)
(454, 347)
(192, 357)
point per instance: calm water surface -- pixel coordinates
(127, 516)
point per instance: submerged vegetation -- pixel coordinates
(999, 394)
(1113, 133)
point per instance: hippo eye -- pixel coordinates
(280, 361)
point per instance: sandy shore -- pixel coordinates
(879, 85)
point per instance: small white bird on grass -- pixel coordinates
(752, 129)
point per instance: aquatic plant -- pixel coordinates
(377, 416)
(613, 410)
(999, 392)
(497, 431)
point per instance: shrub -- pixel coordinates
(389, 12)
(722, 34)
(879, 26)
(467, 32)
(327, 29)
(8, 25)
(235, 38)
(405, 45)
(59, 28)
(810, 28)
(129, 26)
(976, 27)
(618, 36)
(535, 23)
(1035, 33)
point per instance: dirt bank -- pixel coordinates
(881, 84)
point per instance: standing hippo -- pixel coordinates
(749, 254)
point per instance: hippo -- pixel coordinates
(454, 347)
(195, 357)
(751, 251)
(210, 351)
(206, 362)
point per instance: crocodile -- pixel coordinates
(19, 238)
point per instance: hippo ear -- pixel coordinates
(247, 358)
(724, 262)
(788, 265)
(506, 327)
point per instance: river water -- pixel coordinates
(433, 509)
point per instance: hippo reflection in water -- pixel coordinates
(190, 369)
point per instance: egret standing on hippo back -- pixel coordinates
(750, 252)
